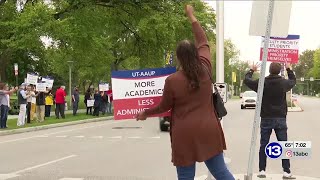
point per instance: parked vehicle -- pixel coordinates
(249, 99)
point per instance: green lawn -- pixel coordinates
(12, 123)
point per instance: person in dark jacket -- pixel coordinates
(273, 111)
(97, 103)
(41, 104)
(104, 102)
(88, 96)
(75, 100)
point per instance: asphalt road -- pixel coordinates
(130, 150)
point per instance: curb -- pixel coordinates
(254, 177)
(50, 126)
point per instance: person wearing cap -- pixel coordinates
(22, 101)
(273, 111)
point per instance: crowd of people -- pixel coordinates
(99, 101)
(36, 106)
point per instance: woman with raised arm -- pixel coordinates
(196, 133)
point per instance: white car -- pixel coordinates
(249, 99)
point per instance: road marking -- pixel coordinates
(42, 136)
(71, 179)
(97, 137)
(44, 164)
(61, 136)
(7, 176)
(116, 137)
(79, 136)
(70, 130)
(134, 137)
(155, 137)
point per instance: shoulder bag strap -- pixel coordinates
(215, 88)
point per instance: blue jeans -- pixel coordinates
(216, 166)
(280, 127)
(109, 108)
(4, 116)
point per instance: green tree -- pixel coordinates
(305, 64)
(304, 70)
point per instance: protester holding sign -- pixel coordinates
(88, 97)
(22, 101)
(41, 102)
(196, 132)
(273, 111)
(97, 103)
(104, 102)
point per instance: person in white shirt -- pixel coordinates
(22, 100)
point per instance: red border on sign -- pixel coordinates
(129, 108)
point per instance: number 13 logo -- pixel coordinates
(273, 150)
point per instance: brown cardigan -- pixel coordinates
(196, 134)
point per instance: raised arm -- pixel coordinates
(291, 82)
(200, 37)
(252, 84)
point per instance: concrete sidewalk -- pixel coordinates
(51, 114)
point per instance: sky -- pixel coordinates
(303, 22)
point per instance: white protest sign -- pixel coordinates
(103, 87)
(32, 79)
(48, 81)
(90, 103)
(280, 20)
(41, 87)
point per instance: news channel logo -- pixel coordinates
(288, 149)
(273, 150)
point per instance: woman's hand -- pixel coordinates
(141, 116)
(189, 12)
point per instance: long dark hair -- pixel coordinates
(188, 57)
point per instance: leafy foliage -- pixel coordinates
(98, 36)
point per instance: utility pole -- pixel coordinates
(219, 52)
(70, 83)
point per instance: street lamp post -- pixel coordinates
(70, 82)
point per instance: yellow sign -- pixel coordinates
(169, 58)
(234, 77)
